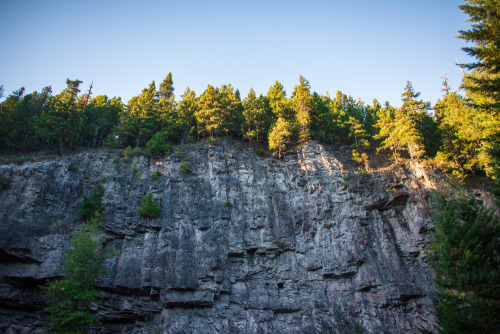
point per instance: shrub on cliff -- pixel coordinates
(149, 207)
(466, 258)
(184, 168)
(92, 205)
(157, 145)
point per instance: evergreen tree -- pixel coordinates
(302, 105)
(461, 134)
(483, 84)
(485, 34)
(100, 116)
(167, 88)
(61, 118)
(279, 136)
(231, 110)
(210, 113)
(71, 299)
(19, 119)
(166, 115)
(255, 115)
(186, 111)
(278, 101)
(399, 127)
(465, 245)
(425, 124)
(139, 119)
(149, 207)
(92, 205)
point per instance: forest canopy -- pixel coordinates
(460, 133)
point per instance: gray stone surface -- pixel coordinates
(307, 245)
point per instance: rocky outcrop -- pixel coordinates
(243, 244)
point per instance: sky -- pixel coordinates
(364, 48)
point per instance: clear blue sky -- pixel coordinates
(365, 48)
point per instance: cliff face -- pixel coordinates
(307, 245)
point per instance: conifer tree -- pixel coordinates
(231, 110)
(167, 87)
(279, 136)
(278, 101)
(138, 121)
(60, 120)
(302, 106)
(461, 134)
(465, 245)
(71, 299)
(399, 127)
(209, 114)
(186, 111)
(166, 115)
(485, 34)
(100, 116)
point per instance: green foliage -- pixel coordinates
(92, 205)
(228, 203)
(157, 144)
(364, 173)
(485, 18)
(116, 160)
(178, 154)
(134, 166)
(278, 102)
(72, 168)
(141, 119)
(465, 255)
(359, 158)
(138, 175)
(100, 116)
(70, 300)
(60, 119)
(279, 136)
(156, 175)
(399, 128)
(184, 168)
(149, 207)
(302, 104)
(128, 152)
(260, 151)
(256, 116)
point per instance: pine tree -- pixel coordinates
(167, 87)
(483, 84)
(61, 117)
(279, 136)
(399, 128)
(278, 101)
(256, 116)
(210, 114)
(149, 207)
(485, 34)
(71, 299)
(186, 111)
(139, 121)
(465, 255)
(302, 106)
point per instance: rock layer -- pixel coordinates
(243, 244)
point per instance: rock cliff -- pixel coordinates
(243, 244)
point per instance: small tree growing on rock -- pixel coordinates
(70, 299)
(149, 207)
